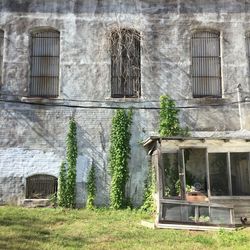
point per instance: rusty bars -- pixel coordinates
(45, 52)
(206, 64)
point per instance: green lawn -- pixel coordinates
(22, 228)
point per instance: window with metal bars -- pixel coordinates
(206, 64)
(40, 186)
(125, 63)
(1, 54)
(248, 51)
(44, 73)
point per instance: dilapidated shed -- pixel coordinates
(201, 182)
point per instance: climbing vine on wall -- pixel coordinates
(169, 126)
(169, 121)
(118, 157)
(71, 157)
(62, 181)
(91, 188)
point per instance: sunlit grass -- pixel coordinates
(48, 228)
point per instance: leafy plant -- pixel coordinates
(91, 188)
(62, 186)
(118, 157)
(53, 200)
(71, 156)
(169, 121)
(148, 201)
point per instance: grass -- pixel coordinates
(47, 228)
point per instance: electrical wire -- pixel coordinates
(118, 106)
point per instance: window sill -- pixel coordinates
(40, 99)
(209, 100)
(124, 99)
(247, 197)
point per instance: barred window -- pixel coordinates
(125, 63)
(206, 64)
(1, 54)
(45, 51)
(248, 51)
(40, 186)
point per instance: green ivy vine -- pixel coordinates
(91, 188)
(169, 121)
(62, 186)
(71, 156)
(119, 153)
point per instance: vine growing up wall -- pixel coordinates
(169, 121)
(91, 188)
(169, 126)
(118, 157)
(62, 186)
(71, 156)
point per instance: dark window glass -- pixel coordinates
(195, 165)
(218, 173)
(240, 173)
(171, 182)
(1, 54)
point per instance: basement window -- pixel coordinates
(1, 54)
(125, 63)
(45, 51)
(206, 64)
(40, 186)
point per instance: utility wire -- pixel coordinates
(117, 106)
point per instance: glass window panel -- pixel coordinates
(240, 173)
(195, 166)
(178, 213)
(171, 182)
(220, 216)
(218, 174)
(203, 215)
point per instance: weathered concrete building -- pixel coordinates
(57, 61)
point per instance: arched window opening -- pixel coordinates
(1, 54)
(248, 51)
(206, 64)
(40, 186)
(45, 52)
(125, 63)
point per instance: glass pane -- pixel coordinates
(240, 173)
(196, 179)
(203, 215)
(220, 216)
(218, 173)
(171, 182)
(178, 213)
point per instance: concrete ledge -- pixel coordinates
(35, 203)
(148, 224)
(193, 227)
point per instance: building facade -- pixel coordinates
(86, 58)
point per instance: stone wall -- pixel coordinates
(33, 131)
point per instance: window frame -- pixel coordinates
(56, 92)
(206, 93)
(2, 34)
(126, 85)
